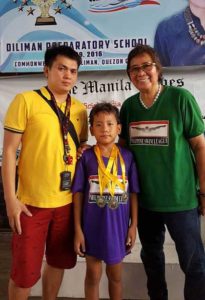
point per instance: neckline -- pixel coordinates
(197, 36)
(154, 100)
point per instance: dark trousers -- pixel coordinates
(184, 228)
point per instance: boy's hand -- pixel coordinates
(131, 237)
(79, 243)
(14, 210)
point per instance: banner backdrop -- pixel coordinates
(102, 31)
(93, 87)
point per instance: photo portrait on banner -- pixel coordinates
(180, 39)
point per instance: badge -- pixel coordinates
(65, 181)
(100, 201)
(113, 203)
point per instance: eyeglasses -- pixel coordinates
(146, 67)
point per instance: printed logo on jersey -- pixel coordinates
(152, 133)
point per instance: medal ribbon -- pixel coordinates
(64, 122)
(102, 172)
(108, 175)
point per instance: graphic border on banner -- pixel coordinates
(101, 31)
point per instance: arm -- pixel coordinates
(131, 236)
(160, 45)
(79, 241)
(13, 206)
(198, 147)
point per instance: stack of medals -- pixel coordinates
(108, 177)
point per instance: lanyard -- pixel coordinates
(64, 123)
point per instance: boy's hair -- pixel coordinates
(105, 107)
(53, 52)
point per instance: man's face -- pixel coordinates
(62, 75)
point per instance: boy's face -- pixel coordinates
(62, 75)
(105, 128)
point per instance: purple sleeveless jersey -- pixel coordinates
(105, 219)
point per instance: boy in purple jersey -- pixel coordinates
(105, 203)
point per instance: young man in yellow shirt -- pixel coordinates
(49, 125)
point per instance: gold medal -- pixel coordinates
(100, 201)
(113, 203)
(108, 177)
(124, 197)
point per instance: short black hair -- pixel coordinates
(52, 52)
(105, 107)
(145, 49)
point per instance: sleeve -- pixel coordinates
(133, 177)
(79, 179)
(192, 116)
(124, 122)
(84, 131)
(16, 116)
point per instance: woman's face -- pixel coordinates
(197, 3)
(143, 72)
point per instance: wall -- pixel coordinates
(112, 86)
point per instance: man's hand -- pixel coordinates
(81, 149)
(14, 210)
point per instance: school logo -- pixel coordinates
(104, 6)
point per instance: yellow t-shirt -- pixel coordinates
(41, 157)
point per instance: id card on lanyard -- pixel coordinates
(65, 182)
